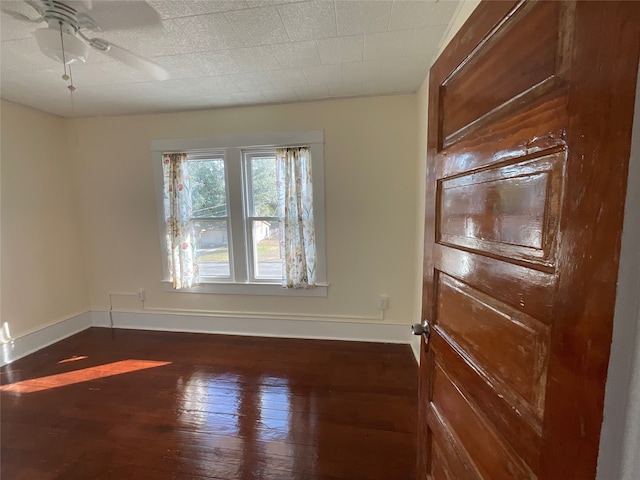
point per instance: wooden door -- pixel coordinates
(530, 113)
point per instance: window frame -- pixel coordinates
(232, 148)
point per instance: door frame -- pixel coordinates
(619, 452)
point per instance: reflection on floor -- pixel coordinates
(154, 405)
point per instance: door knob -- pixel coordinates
(421, 328)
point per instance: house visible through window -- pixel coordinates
(210, 220)
(235, 220)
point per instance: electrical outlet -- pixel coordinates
(142, 295)
(383, 302)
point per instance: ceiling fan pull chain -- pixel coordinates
(69, 77)
(73, 104)
(73, 110)
(64, 60)
(71, 86)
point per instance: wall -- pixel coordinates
(370, 147)
(43, 277)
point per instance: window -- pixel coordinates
(234, 210)
(211, 222)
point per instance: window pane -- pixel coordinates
(266, 249)
(212, 248)
(263, 184)
(208, 192)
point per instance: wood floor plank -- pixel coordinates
(125, 404)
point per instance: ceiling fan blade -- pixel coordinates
(129, 58)
(115, 14)
(20, 16)
(86, 21)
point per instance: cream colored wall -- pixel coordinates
(43, 277)
(370, 192)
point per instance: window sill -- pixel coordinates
(249, 289)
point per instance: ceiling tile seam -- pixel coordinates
(390, 15)
(318, 50)
(290, 42)
(304, 72)
(224, 14)
(335, 15)
(284, 24)
(17, 39)
(229, 10)
(278, 61)
(233, 49)
(405, 29)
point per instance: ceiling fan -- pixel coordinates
(65, 40)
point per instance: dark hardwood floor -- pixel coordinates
(125, 404)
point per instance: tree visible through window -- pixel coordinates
(236, 224)
(262, 192)
(210, 219)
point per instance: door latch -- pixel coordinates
(421, 329)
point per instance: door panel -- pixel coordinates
(506, 210)
(530, 111)
(520, 428)
(486, 450)
(441, 469)
(483, 84)
(507, 347)
(510, 137)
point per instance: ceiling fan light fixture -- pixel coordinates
(49, 42)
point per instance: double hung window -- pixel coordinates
(234, 223)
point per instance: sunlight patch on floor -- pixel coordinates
(78, 376)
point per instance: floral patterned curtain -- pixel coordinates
(181, 248)
(295, 205)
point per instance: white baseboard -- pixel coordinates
(324, 329)
(31, 342)
(262, 327)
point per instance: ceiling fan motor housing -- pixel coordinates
(49, 41)
(58, 15)
(63, 24)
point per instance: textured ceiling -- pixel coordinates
(227, 53)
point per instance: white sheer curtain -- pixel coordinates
(295, 205)
(181, 246)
